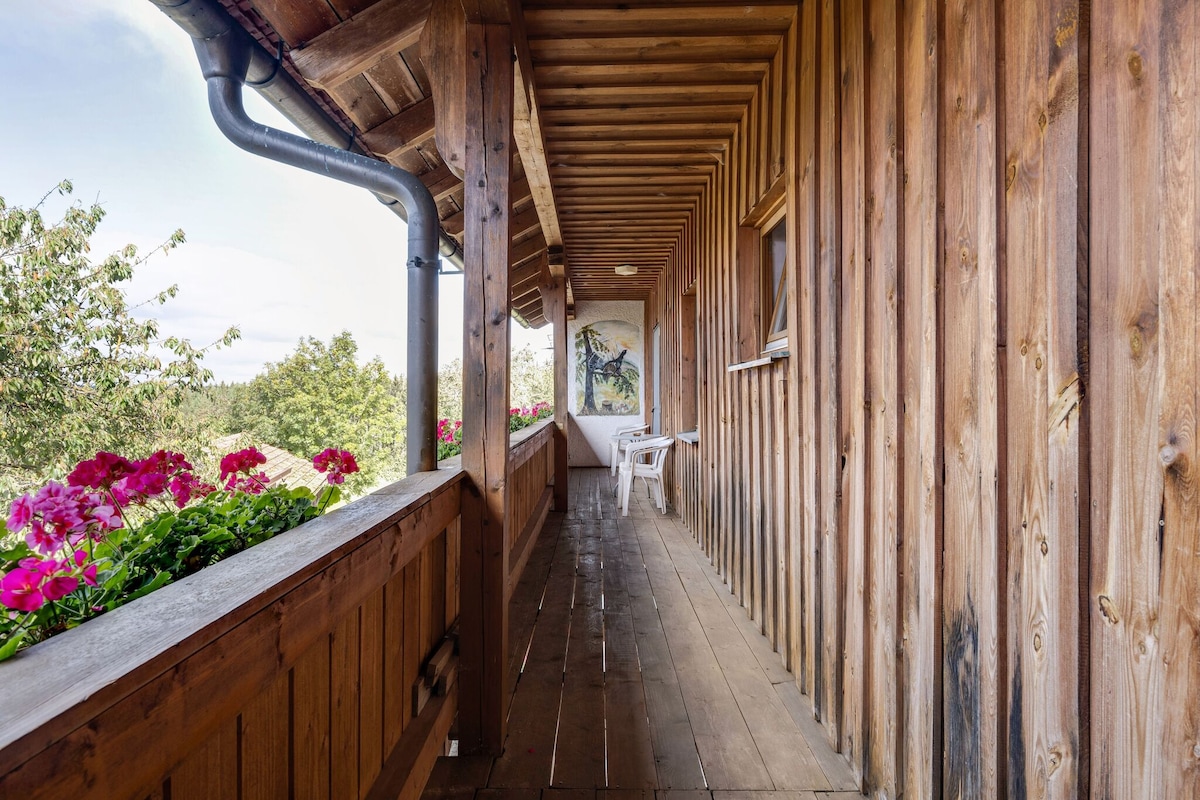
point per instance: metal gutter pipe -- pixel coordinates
(230, 59)
(206, 19)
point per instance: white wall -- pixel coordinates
(589, 435)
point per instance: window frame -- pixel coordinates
(773, 299)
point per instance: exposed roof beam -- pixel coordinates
(402, 132)
(528, 134)
(355, 45)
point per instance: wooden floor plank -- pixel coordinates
(627, 727)
(579, 754)
(784, 750)
(639, 652)
(529, 748)
(728, 754)
(676, 759)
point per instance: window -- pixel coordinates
(762, 323)
(774, 289)
(689, 335)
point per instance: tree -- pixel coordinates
(78, 372)
(531, 379)
(319, 397)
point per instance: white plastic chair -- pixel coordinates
(621, 436)
(644, 460)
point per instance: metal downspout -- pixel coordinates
(226, 60)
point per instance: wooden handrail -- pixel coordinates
(127, 697)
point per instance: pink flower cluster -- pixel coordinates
(37, 580)
(448, 431)
(536, 411)
(237, 471)
(59, 516)
(136, 482)
(336, 464)
(57, 520)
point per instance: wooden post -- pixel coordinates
(554, 301)
(484, 613)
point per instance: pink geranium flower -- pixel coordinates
(20, 512)
(101, 472)
(59, 587)
(20, 590)
(242, 461)
(337, 464)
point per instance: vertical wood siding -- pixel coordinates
(963, 509)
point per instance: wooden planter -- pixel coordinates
(292, 669)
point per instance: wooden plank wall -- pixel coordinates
(964, 509)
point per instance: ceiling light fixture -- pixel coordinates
(626, 269)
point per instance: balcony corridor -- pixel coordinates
(634, 670)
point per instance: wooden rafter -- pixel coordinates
(353, 46)
(528, 134)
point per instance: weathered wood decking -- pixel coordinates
(635, 669)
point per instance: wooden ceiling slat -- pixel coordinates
(567, 97)
(297, 21)
(621, 19)
(360, 102)
(402, 132)
(747, 72)
(650, 49)
(644, 131)
(355, 45)
(394, 83)
(696, 112)
(441, 182)
(641, 189)
(568, 170)
(715, 147)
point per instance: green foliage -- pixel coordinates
(450, 390)
(320, 396)
(531, 378)
(78, 371)
(138, 559)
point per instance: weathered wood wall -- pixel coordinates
(964, 508)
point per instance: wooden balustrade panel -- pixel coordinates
(530, 491)
(299, 684)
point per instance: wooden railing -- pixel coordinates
(530, 491)
(313, 665)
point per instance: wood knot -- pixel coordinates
(1168, 454)
(1043, 120)
(1038, 364)
(1010, 175)
(1037, 643)
(1109, 609)
(1135, 65)
(1045, 548)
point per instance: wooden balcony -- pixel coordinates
(633, 667)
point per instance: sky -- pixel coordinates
(108, 94)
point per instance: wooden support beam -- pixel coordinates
(403, 132)
(557, 262)
(554, 307)
(443, 43)
(484, 612)
(353, 46)
(528, 134)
